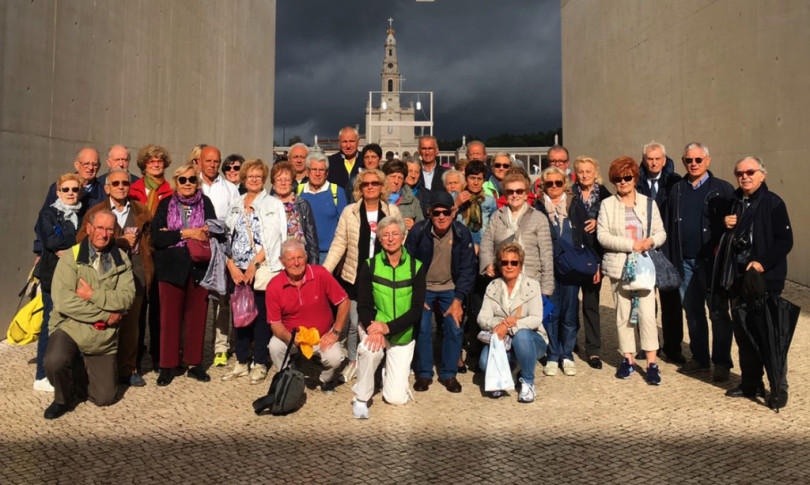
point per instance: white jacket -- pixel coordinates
(610, 231)
(273, 221)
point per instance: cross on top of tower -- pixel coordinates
(390, 25)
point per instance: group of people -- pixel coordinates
(378, 251)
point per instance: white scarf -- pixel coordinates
(70, 211)
(556, 212)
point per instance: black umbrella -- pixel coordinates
(770, 323)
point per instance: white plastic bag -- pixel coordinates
(638, 273)
(499, 374)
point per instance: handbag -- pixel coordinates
(574, 264)
(243, 306)
(666, 276)
(638, 273)
(286, 393)
(263, 273)
(499, 375)
(200, 251)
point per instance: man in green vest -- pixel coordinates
(390, 296)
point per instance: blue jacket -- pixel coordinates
(463, 263)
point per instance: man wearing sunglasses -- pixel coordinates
(131, 235)
(445, 246)
(694, 221)
(117, 158)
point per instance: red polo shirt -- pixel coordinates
(308, 306)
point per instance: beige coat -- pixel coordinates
(347, 236)
(610, 232)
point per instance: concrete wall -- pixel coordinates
(75, 73)
(733, 74)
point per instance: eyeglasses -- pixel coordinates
(515, 191)
(749, 172)
(626, 178)
(390, 235)
(441, 213)
(366, 185)
(501, 165)
(233, 168)
(284, 180)
(89, 164)
(697, 160)
(117, 183)
(316, 170)
(257, 177)
(65, 190)
(553, 183)
(514, 263)
(187, 180)
(154, 160)
(558, 162)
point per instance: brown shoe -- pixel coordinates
(451, 383)
(422, 384)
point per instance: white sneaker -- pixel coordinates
(239, 370)
(360, 410)
(527, 392)
(258, 374)
(43, 385)
(349, 372)
(551, 368)
(569, 368)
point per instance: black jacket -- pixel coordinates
(337, 171)
(463, 265)
(667, 180)
(437, 183)
(88, 198)
(58, 234)
(307, 221)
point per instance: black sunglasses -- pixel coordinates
(116, 183)
(440, 213)
(370, 184)
(501, 165)
(65, 190)
(749, 172)
(554, 183)
(233, 168)
(512, 263)
(689, 161)
(515, 191)
(626, 178)
(184, 180)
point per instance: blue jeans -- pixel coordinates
(42, 342)
(563, 323)
(527, 347)
(694, 294)
(451, 345)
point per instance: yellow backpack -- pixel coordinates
(25, 327)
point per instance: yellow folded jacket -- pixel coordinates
(25, 327)
(308, 338)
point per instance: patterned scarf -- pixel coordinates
(473, 217)
(294, 229)
(176, 220)
(70, 211)
(152, 185)
(593, 198)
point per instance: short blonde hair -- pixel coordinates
(251, 164)
(581, 159)
(510, 247)
(69, 176)
(357, 192)
(556, 171)
(195, 153)
(183, 169)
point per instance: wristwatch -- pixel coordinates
(335, 331)
(256, 264)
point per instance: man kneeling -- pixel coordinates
(302, 296)
(390, 295)
(92, 286)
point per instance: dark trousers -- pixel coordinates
(590, 316)
(671, 322)
(751, 369)
(73, 377)
(179, 304)
(150, 309)
(128, 335)
(257, 332)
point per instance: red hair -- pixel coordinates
(623, 166)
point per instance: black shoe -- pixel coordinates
(779, 401)
(674, 358)
(595, 362)
(462, 369)
(739, 392)
(166, 377)
(328, 387)
(422, 384)
(451, 384)
(197, 372)
(56, 410)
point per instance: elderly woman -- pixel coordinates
(400, 193)
(57, 225)
(513, 305)
(590, 191)
(475, 206)
(453, 181)
(622, 230)
(567, 218)
(194, 154)
(230, 169)
(178, 223)
(356, 241)
(153, 160)
(371, 155)
(300, 221)
(387, 310)
(759, 239)
(257, 226)
(501, 163)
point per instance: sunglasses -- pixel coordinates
(515, 191)
(557, 162)
(65, 190)
(749, 172)
(117, 183)
(233, 168)
(626, 178)
(513, 263)
(185, 180)
(554, 183)
(370, 184)
(441, 213)
(689, 161)
(501, 165)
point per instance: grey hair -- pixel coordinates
(695, 144)
(353, 129)
(760, 164)
(390, 220)
(299, 144)
(555, 148)
(292, 245)
(115, 170)
(429, 137)
(317, 156)
(102, 212)
(651, 146)
(476, 142)
(450, 173)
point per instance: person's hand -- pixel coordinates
(590, 226)
(598, 276)
(463, 197)
(500, 330)
(374, 341)
(131, 239)
(756, 266)
(509, 322)
(327, 340)
(490, 271)
(377, 327)
(194, 233)
(236, 274)
(409, 222)
(456, 311)
(249, 274)
(730, 221)
(84, 290)
(115, 317)
(58, 253)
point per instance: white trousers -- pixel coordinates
(647, 328)
(330, 359)
(396, 388)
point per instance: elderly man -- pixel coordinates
(431, 175)
(223, 195)
(694, 221)
(417, 185)
(476, 150)
(92, 287)
(298, 158)
(345, 164)
(326, 199)
(133, 237)
(656, 178)
(304, 295)
(117, 158)
(445, 246)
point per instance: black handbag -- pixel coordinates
(286, 393)
(667, 277)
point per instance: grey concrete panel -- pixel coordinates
(732, 74)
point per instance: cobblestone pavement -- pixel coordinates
(588, 428)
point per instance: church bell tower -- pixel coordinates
(391, 78)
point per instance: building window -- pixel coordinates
(390, 52)
(390, 85)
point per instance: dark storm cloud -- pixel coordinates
(494, 66)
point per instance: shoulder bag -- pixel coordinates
(666, 276)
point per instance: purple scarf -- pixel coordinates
(174, 219)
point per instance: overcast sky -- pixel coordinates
(493, 65)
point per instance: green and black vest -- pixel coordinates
(392, 289)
